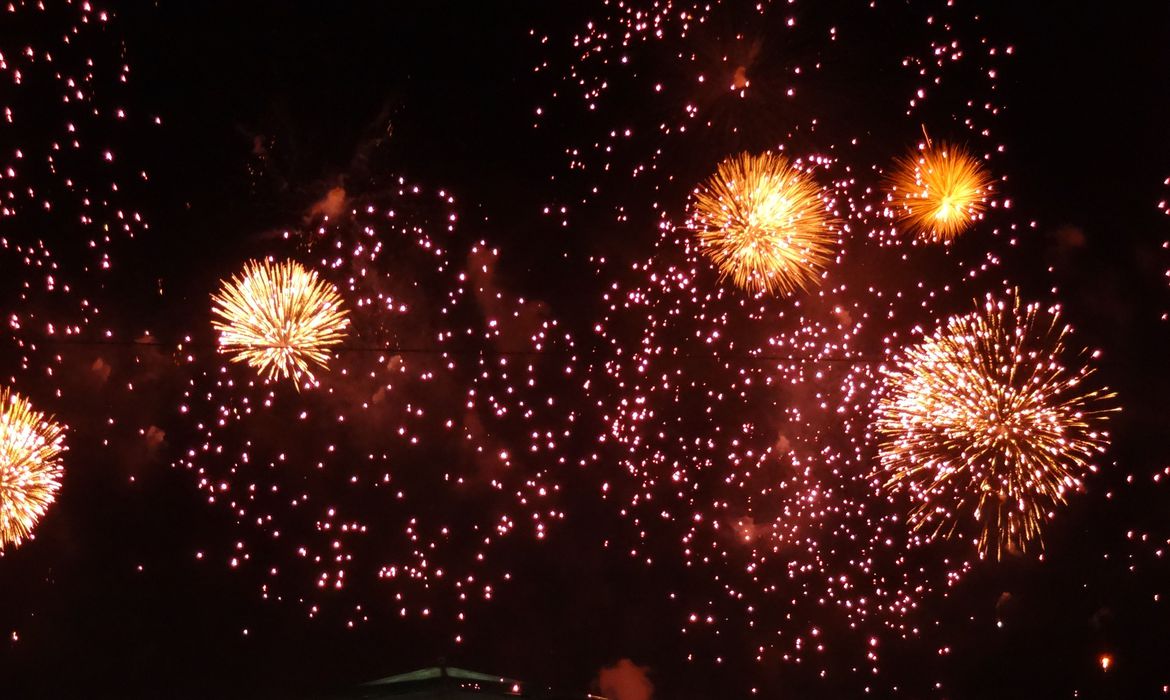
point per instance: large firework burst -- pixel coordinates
(985, 428)
(764, 223)
(279, 318)
(939, 191)
(30, 466)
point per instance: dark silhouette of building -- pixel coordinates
(450, 683)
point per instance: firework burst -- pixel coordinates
(940, 191)
(279, 318)
(30, 466)
(456, 415)
(749, 458)
(764, 224)
(983, 426)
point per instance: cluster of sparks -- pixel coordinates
(740, 424)
(281, 319)
(764, 224)
(416, 462)
(767, 434)
(30, 466)
(986, 429)
(940, 191)
(67, 200)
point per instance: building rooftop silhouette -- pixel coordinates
(450, 683)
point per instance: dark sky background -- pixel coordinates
(448, 88)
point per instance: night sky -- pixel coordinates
(555, 437)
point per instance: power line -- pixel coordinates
(412, 350)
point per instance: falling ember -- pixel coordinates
(279, 318)
(939, 191)
(765, 224)
(30, 466)
(1106, 662)
(983, 426)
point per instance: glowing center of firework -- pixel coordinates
(982, 424)
(30, 467)
(939, 192)
(946, 209)
(280, 319)
(764, 224)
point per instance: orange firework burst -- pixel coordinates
(30, 466)
(985, 428)
(765, 224)
(279, 318)
(939, 191)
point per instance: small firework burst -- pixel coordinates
(279, 318)
(30, 466)
(765, 224)
(983, 426)
(938, 192)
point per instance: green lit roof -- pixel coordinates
(439, 672)
(451, 683)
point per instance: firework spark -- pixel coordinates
(764, 224)
(30, 466)
(463, 422)
(939, 191)
(750, 468)
(983, 425)
(279, 318)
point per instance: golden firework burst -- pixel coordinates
(279, 318)
(985, 428)
(765, 224)
(30, 466)
(939, 191)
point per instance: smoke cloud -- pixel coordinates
(625, 680)
(331, 205)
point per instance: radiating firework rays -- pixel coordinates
(985, 428)
(280, 319)
(939, 191)
(765, 224)
(30, 466)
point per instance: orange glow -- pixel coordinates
(939, 192)
(281, 319)
(764, 224)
